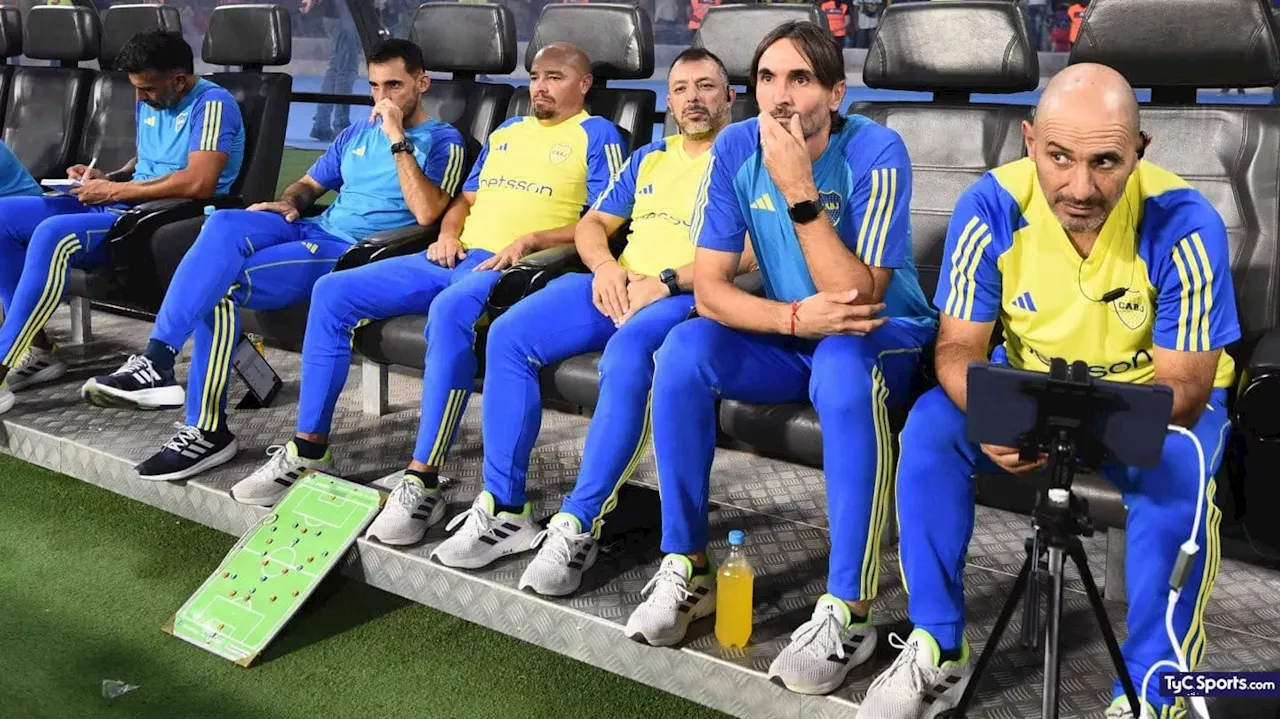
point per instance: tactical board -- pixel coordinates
(274, 568)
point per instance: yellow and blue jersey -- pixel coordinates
(864, 185)
(655, 189)
(1008, 258)
(15, 180)
(361, 168)
(207, 119)
(530, 177)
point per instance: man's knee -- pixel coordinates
(511, 335)
(1178, 483)
(842, 377)
(227, 227)
(332, 295)
(456, 307)
(629, 362)
(933, 422)
(687, 354)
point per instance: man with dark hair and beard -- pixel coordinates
(825, 200)
(527, 191)
(190, 144)
(397, 168)
(625, 307)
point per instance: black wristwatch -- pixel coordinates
(805, 212)
(402, 146)
(668, 278)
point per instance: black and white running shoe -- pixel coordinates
(189, 453)
(138, 384)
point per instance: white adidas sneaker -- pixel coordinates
(273, 479)
(676, 598)
(566, 552)
(410, 510)
(37, 366)
(824, 649)
(485, 536)
(917, 685)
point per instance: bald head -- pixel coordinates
(558, 82)
(1089, 93)
(564, 53)
(1085, 143)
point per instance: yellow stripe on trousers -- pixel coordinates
(215, 375)
(49, 298)
(870, 580)
(646, 432)
(452, 413)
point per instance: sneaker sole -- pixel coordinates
(226, 454)
(48, 374)
(524, 546)
(867, 649)
(146, 399)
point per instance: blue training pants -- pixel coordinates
(256, 260)
(851, 381)
(556, 323)
(40, 238)
(406, 285)
(936, 511)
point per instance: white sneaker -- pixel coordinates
(484, 536)
(566, 553)
(37, 366)
(914, 686)
(676, 598)
(823, 650)
(409, 511)
(272, 480)
(6, 399)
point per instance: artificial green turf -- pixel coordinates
(88, 577)
(293, 165)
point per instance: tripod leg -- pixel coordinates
(1019, 585)
(1099, 611)
(1052, 655)
(1031, 605)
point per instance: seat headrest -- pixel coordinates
(122, 22)
(464, 38)
(733, 32)
(953, 47)
(10, 32)
(248, 35)
(618, 38)
(62, 32)
(1182, 43)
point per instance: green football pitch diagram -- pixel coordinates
(274, 568)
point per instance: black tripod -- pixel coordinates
(1060, 520)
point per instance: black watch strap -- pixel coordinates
(671, 280)
(806, 211)
(402, 146)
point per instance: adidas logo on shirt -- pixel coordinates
(358, 152)
(763, 203)
(1023, 302)
(646, 190)
(502, 147)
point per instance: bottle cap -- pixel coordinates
(209, 210)
(737, 538)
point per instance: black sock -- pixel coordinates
(430, 480)
(856, 618)
(161, 355)
(309, 450)
(702, 571)
(508, 508)
(948, 655)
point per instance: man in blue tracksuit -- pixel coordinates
(825, 200)
(395, 169)
(190, 144)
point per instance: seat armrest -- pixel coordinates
(752, 282)
(532, 274)
(388, 243)
(129, 240)
(1257, 405)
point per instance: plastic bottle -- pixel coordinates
(209, 210)
(735, 582)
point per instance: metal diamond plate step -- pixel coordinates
(781, 506)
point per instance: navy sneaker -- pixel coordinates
(189, 453)
(138, 384)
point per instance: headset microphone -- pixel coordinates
(1114, 295)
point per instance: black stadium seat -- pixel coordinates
(733, 32)
(111, 125)
(619, 40)
(45, 108)
(147, 243)
(10, 47)
(951, 142)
